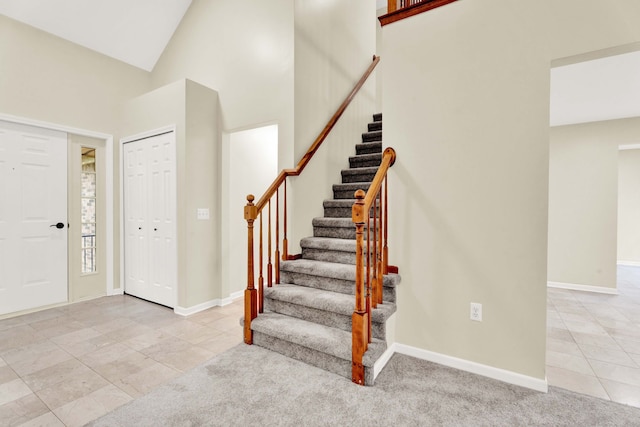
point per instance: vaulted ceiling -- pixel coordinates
(137, 32)
(133, 31)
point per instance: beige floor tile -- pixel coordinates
(18, 336)
(574, 381)
(94, 405)
(555, 323)
(146, 340)
(105, 354)
(71, 388)
(635, 357)
(206, 316)
(191, 332)
(603, 354)
(572, 363)
(146, 380)
(585, 327)
(124, 366)
(81, 348)
(22, 410)
(622, 393)
(170, 344)
(610, 371)
(2, 362)
(11, 322)
(560, 346)
(129, 332)
(227, 324)
(46, 420)
(186, 359)
(55, 374)
(7, 374)
(222, 343)
(630, 346)
(114, 325)
(560, 334)
(13, 390)
(74, 337)
(598, 340)
(35, 357)
(42, 315)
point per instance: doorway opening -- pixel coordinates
(252, 165)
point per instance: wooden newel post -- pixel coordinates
(250, 294)
(359, 319)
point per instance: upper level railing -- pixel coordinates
(254, 298)
(369, 213)
(401, 9)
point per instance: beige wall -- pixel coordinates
(466, 105)
(193, 109)
(629, 207)
(49, 79)
(334, 44)
(583, 188)
(243, 50)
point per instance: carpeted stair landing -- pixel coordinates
(308, 315)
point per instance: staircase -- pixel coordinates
(308, 315)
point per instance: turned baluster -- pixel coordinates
(269, 265)
(250, 296)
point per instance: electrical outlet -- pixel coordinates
(476, 312)
(202, 213)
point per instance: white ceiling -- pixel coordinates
(601, 89)
(133, 31)
(137, 32)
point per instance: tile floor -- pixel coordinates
(593, 340)
(67, 366)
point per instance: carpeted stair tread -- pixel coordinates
(372, 136)
(369, 148)
(330, 270)
(365, 160)
(325, 300)
(364, 174)
(319, 268)
(373, 126)
(347, 190)
(377, 117)
(325, 339)
(333, 222)
(341, 245)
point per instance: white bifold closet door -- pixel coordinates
(150, 250)
(33, 217)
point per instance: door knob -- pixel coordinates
(58, 225)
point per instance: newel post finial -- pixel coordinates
(250, 210)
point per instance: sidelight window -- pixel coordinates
(88, 214)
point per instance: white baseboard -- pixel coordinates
(383, 360)
(188, 311)
(629, 263)
(119, 291)
(234, 296)
(475, 368)
(584, 288)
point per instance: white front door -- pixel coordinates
(150, 212)
(33, 217)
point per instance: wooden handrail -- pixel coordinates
(318, 141)
(369, 296)
(254, 297)
(395, 13)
